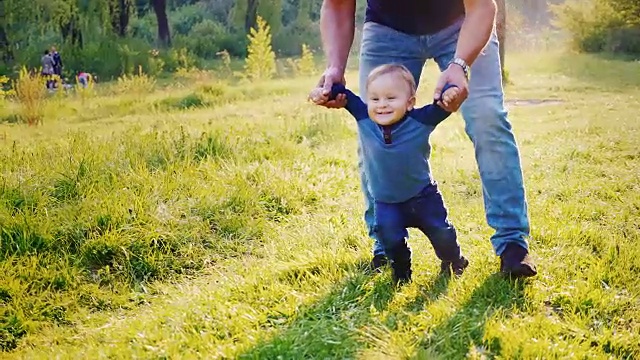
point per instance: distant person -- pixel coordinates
(47, 68)
(84, 78)
(395, 147)
(57, 61)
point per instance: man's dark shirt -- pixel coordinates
(417, 17)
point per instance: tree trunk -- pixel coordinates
(501, 30)
(164, 35)
(120, 11)
(71, 32)
(6, 54)
(5, 50)
(252, 15)
(125, 12)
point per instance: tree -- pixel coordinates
(251, 16)
(141, 7)
(120, 13)
(164, 34)
(304, 10)
(237, 15)
(245, 13)
(271, 12)
(6, 54)
(70, 29)
(261, 60)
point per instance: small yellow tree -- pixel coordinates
(306, 64)
(261, 60)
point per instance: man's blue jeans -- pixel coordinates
(485, 117)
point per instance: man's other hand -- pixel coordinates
(453, 75)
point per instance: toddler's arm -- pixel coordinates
(356, 107)
(433, 114)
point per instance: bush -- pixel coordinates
(143, 28)
(138, 84)
(5, 87)
(205, 39)
(178, 58)
(624, 40)
(601, 25)
(31, 93)
(185, 18)
(288, 41)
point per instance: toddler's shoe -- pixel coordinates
(377, 263)
(401, 265)
(456, 267)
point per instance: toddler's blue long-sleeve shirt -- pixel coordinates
(395, 157)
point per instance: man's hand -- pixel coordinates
(330, 76)
(453, 75)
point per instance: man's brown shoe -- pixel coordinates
(515, 261)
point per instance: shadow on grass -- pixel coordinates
(429, 294)
(330, 327)
(466, 327)
(326, 328)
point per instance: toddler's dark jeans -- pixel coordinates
(425, 211)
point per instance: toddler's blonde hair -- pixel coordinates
(397, 69)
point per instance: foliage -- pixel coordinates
(5, 89)
(183, 19)
(140, 84)
(208, 37)
(113, 37)
(261, 60)
(602, 25)
(31, 93)
(288, 42)
(305, 65)
(156, 63)
(271, 12)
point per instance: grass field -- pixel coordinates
(218, 221)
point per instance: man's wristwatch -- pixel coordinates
(463, 64)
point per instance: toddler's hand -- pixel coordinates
(319, 97)
(450, 95)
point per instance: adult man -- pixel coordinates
(57, 61)
(456, 34)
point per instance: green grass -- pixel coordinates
(217, 221)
